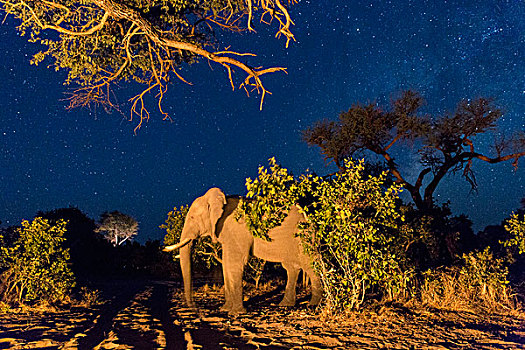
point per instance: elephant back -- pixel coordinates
(284, 246)
(288, 227)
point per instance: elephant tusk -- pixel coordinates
(176, 246)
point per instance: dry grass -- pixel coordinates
(89, 298)
(449, 290)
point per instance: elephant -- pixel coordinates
(213, 214)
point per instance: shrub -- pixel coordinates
(351, 230)
(37, 264)
(5, 308)
(89, 297)
(273, 193)
(516, 228)
(3, 257)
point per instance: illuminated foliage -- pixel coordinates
(351, 228)
(38, 264)
(516, 227)
(101, 42)
(268, 200)
(482, 281)
(3, 257)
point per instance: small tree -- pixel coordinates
(118, 227)
(445, 144)
(516, 227)
(37, 264)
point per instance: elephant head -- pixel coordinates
(200, 221)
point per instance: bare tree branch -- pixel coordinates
(447, 143)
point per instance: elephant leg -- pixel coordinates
(232, 268)
(317, 288)
(289, 293)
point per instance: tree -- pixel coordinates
(445, 144)
(37, 264)
(516, 227)
(101, 42)
(118, 227)
(82, 240)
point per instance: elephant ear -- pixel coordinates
(216, 201)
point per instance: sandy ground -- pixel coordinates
(151, 315)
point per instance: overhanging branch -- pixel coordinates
(166, 45)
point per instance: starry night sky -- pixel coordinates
(346, 51)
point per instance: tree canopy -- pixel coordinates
(118, 227)
(101, 42)
(444, 144)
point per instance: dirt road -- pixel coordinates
(151, 316)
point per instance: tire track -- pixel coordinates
(103, 323)
(159, 304)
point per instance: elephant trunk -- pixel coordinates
(185, 265)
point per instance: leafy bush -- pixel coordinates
(4, 308)
(484, 272)
(90, 297)
(362, 244)
(516, 227)
(3, 257)
(37, 264)
(174, 224)
(351, 229)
